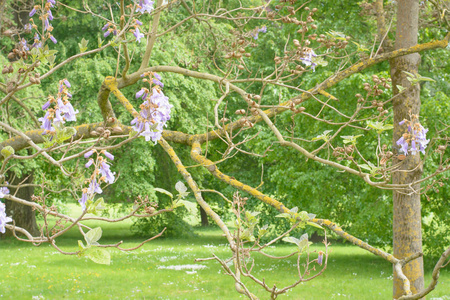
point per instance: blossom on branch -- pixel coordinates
(145, 6)
(3, 218)
(415, 139)
(138, 35)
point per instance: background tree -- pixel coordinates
(256, 89)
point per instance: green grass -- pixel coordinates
(28, 271)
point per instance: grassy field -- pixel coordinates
(29, 272)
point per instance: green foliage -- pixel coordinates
(92, 250)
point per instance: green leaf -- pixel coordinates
(283, 215)
(190, 206)
(350, 138)
(400, 88)
(379, 126)
(65, 134)
(81, 245)
(93, 236)
(7, 151)
(247, 234)
(180, 187)
(324, 136)
(314, 225)
(263, 230)
(291, 239)
(98, 255)
(83, 45)
(164, 192)
(95, 208)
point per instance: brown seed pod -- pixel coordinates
(240, 112)
(401, 156)
(241, 67)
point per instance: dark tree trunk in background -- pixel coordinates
(407, 219)
(22, 215)
(204, 217)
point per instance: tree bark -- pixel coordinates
(22, 215)
(406, 204)
(203, 217)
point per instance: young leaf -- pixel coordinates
(164, 192)
(7, 151)
(180, 187)
(324, 136)
(190, 206)
(314, 225)
(93, 236)
(98, 255)
(291, 239)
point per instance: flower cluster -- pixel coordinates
(62, 110)
(109, 28)
(155, 111)
(145, 6)
(258, 30)
(3, 218)
(307, 58)
(137, 34)
(414, 139)
(102, 173)
(46, 16)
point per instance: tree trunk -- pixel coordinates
(204, 217)
(407, 212)
(22, 215)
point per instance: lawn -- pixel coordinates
(29, 272)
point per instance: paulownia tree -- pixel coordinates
(376, 136)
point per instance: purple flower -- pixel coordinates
(3, 191)
(83, 200)
(307, 59)
(28, 26)
(138, 22)
(52, 38)
(108, 155)
(145, 6)
(157, 76)
(47, 122)
(88, 154)
(32, 12)
(157, 82)
(263, 29)
(106, 172)
(89, 163)
(66, 82)
(37, 43)
(69, 112)
(403, 144)
(58, 118)
(105, 27)
(52, 2)
(138, 35)
(3, 218)
(140, 93)
(46, 105)
(50, 16)
(108, 32)
(46, 24)
(94, 187)
(416, 135)
(23, 44)
(320, 258)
